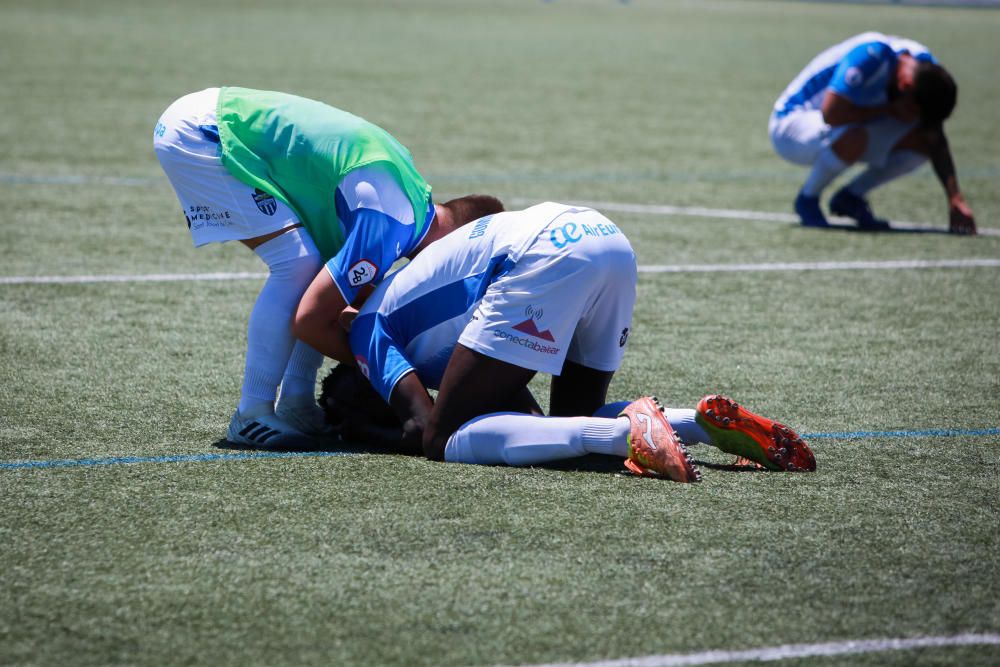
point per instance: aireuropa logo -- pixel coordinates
(265, 202)
(573, 232)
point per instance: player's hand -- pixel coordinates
(960, 220)
(346, 318)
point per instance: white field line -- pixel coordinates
(726, 213)
(646, 268)
(8, 178)
(789, 651)
(820, 266)
(146, 278)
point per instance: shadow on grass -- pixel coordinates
(593, 463)
(732, 467)
(317, 445)
(892, 229)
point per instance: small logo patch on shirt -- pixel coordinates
(265, 202)
(361, 272)
(853, 77)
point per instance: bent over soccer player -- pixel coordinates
(875, 99)
(299, 183)
(547, 289)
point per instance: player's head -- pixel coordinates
(935, 93)
(454, 213)
(347, 395)
(472, 207)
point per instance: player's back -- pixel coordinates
(807, 89)
(419, 312)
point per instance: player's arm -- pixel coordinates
(857, 89)
(316, 321)
(960, 217)
(329, 305)
(412, 403)
(839, 110)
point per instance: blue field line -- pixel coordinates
(179, 458)
(243, 456)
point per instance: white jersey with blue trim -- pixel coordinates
(860, 68)
(414, 319)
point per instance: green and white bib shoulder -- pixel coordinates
(299, 150)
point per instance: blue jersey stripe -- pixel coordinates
(817, 83)
(381, 338)
(443, 303)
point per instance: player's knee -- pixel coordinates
(305, 269)
(851, 145)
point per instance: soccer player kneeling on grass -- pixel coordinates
(875, 99)
(476, 315)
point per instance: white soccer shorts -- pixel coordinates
(218, 207)
(569, 297)
(800, 135)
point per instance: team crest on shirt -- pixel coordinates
(265, 202)
(361, 272)
(362, 365)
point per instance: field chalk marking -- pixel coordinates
(243, 456)
(124, 278)
(7, 178)
(727, 214)
(789, 651)
(647, 268)
(180, 458)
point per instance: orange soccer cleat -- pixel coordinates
(738, 431)
(654, 450)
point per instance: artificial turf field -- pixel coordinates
(129, 536)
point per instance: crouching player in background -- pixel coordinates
(875, 99)
(476, 315)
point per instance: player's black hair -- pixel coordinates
(347, 394)
(472, 207)
(935, 92)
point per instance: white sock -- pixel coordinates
(293, 262)
(682, 420)
(826, 168)
(300, 373)
(899, 163)
(519, 439)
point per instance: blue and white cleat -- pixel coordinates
(810, 214)
(265, 431)
(303, 414)
(850, 205)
